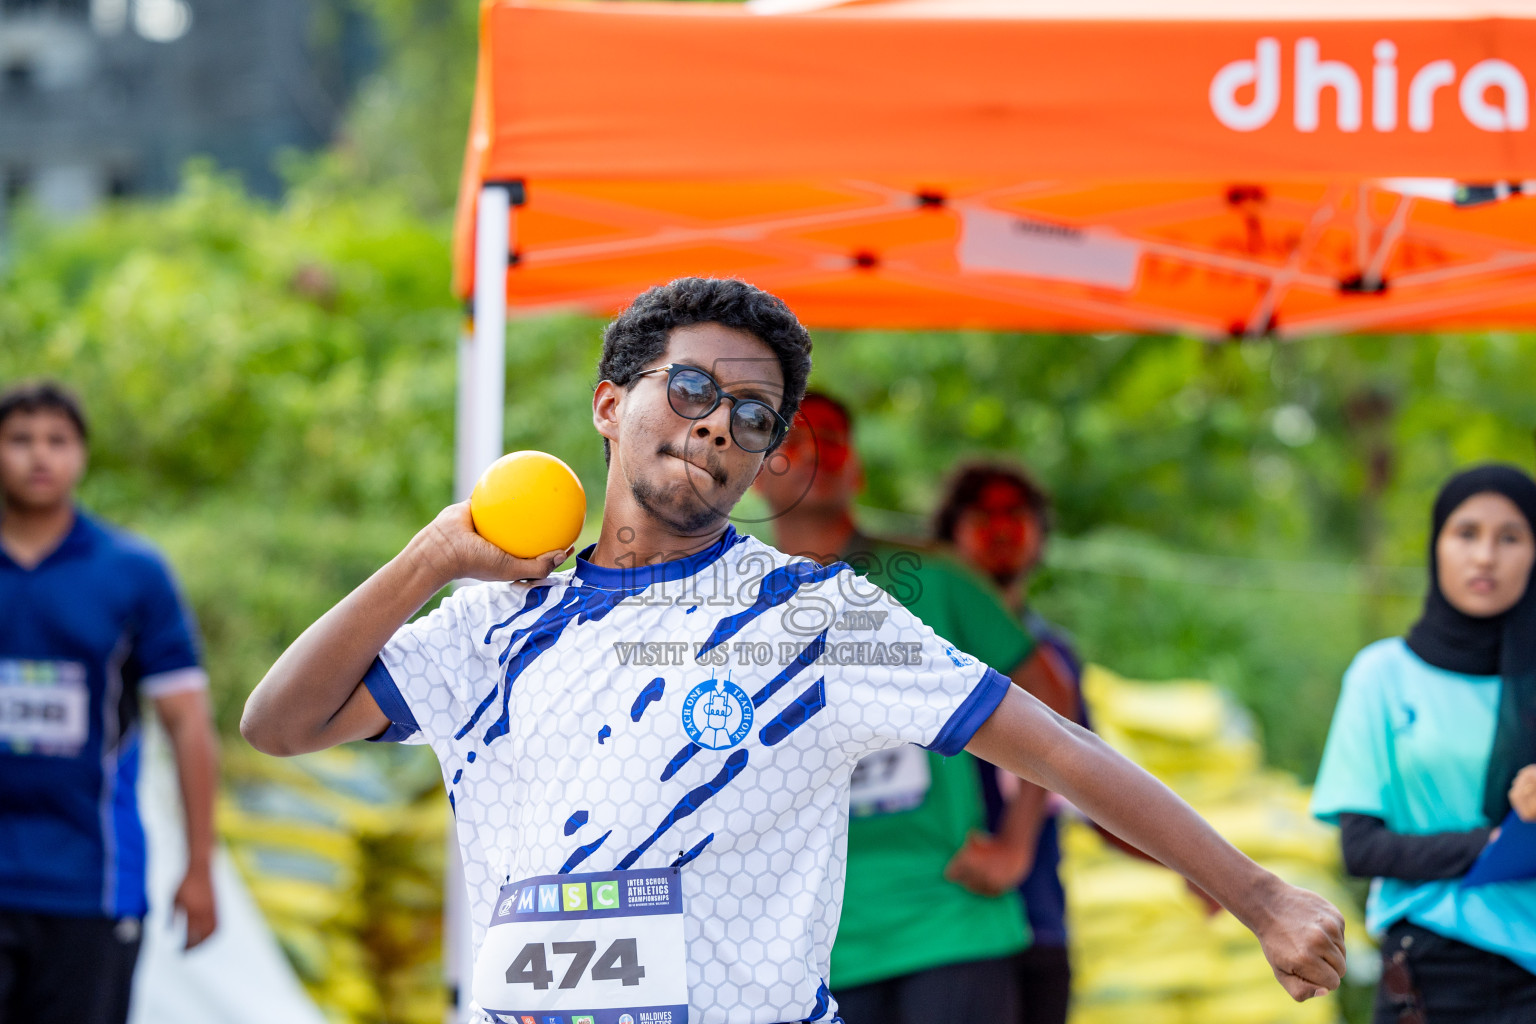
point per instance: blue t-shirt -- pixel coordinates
(82, 635)
(1410, 744)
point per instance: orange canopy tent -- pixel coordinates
(1205, 166)
(1269, 167)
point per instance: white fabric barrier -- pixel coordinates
(239, 976)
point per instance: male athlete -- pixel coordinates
(622, 864)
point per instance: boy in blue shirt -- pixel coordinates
(91, 623)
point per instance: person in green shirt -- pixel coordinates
(931, 915)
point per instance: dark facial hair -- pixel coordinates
(685, 522)
(696, 521)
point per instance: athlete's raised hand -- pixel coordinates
(1303, 940)
(450, 544)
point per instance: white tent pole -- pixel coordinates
(464, 458)
(483, 355)
(477, 443)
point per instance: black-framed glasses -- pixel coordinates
(693, 394)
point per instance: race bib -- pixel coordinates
(44, 707)
(890, 781)
(602, 948)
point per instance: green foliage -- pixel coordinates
(272, 393)
(1249, 449)
(1164, 452)
(270, 388)
(257, 575)
(409, 123)
(226, 345)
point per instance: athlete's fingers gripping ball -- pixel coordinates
(451, 545)
(528, 503)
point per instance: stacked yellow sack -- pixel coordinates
(404, 889)
(343, 852)
(1144, 949)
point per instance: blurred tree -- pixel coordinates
(271, 388)
(410, 120)
(263, 374)
(225, 344)
(273, 392)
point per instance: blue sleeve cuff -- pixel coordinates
(387, 696)
(978, 707)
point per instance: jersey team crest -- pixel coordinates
(717, 714)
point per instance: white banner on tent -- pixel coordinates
(992, 241)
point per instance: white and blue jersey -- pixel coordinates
(83, 634)
(707, 713)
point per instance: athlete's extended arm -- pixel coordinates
(1302, 933)
(313, 696)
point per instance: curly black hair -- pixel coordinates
(638, 336)
(971, 479)
(44, 396)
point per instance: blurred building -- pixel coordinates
(103, 98)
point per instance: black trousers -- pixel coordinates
(65, 970)
(1045, 985)
(974, 992)
(1456, 983)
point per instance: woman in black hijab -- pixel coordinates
(1433, 743)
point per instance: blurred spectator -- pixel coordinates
(929, 921)
(91, 623)
(997, 520)
(1432, 741)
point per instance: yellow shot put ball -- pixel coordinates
(528, 503)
